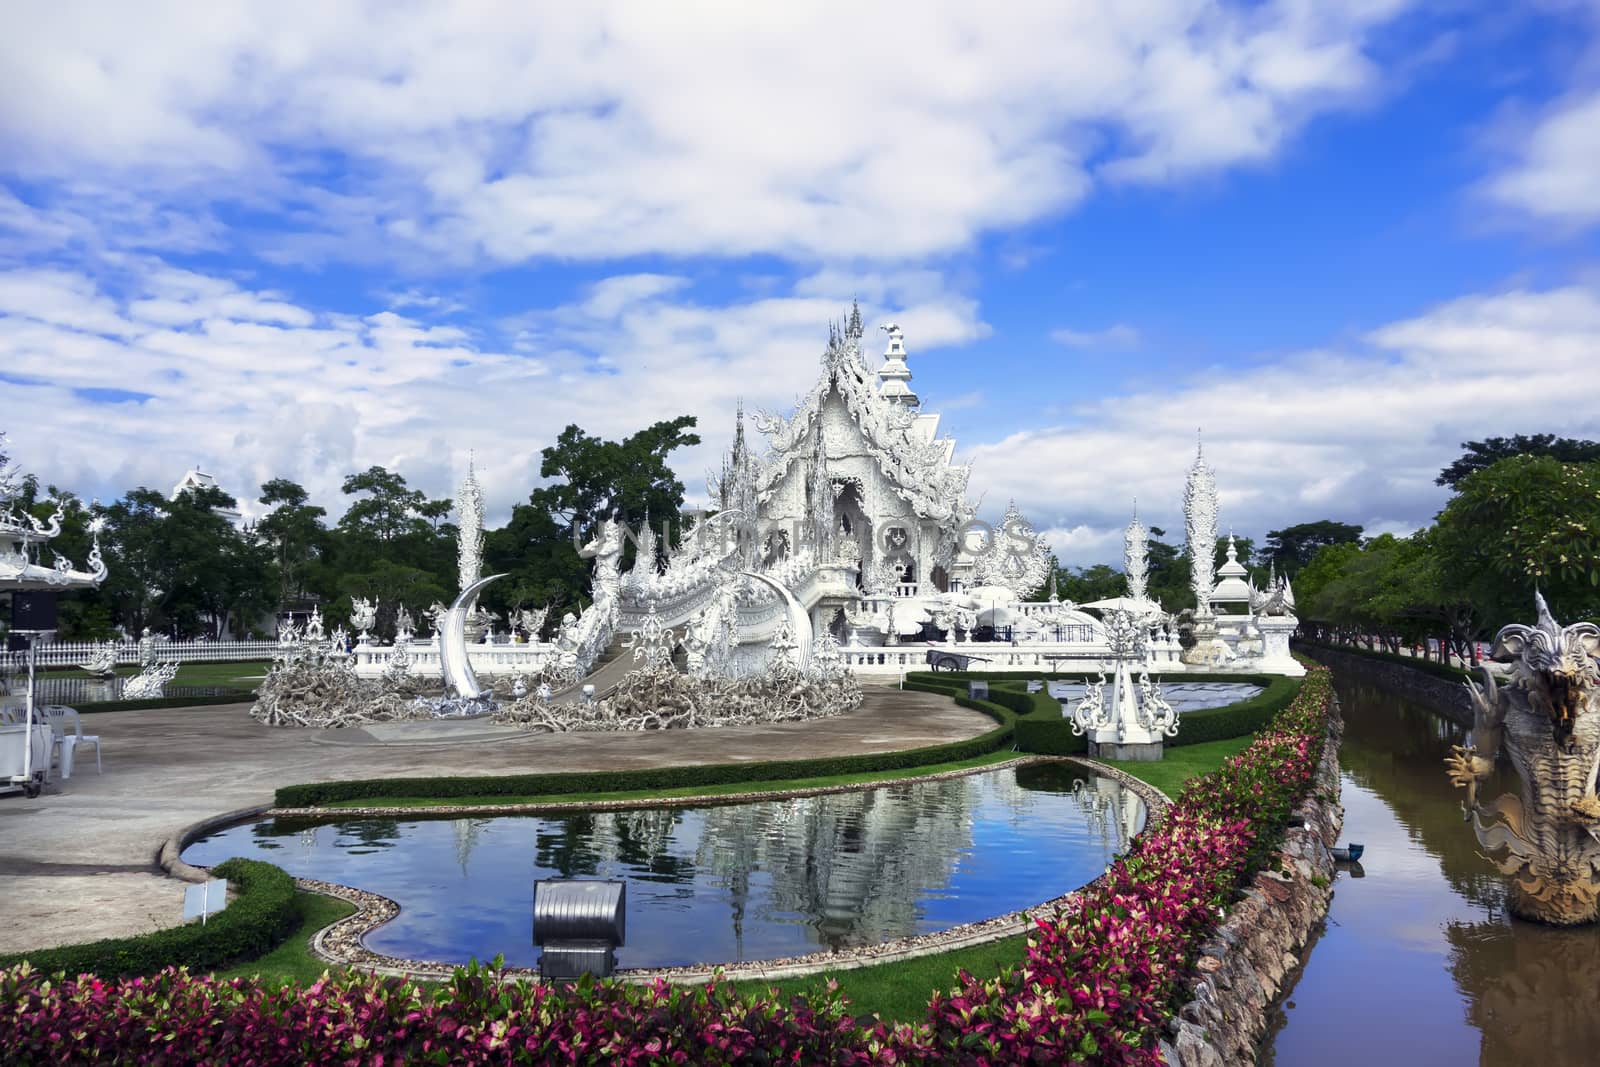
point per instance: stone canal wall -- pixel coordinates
(1441, 695)
(1242, 969)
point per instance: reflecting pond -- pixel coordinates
(738, 881)
(1183, 696)
(1419, 962)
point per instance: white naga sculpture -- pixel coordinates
(102, 662)
(150, 682)
(1546, 837)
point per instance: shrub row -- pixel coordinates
(1098, 982)
(1427, 666)
(243, 696)
(254, 923)
(1047, 732)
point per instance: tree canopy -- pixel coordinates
(1480, 455)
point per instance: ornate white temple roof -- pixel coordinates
(197, 479)
(900, 439)
(23, 538)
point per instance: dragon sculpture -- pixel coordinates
(1547, 718)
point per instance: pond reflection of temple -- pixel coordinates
(851, 864)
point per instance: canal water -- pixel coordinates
(736, 881)
(1419, 962)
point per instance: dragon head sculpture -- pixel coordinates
(1555, 666)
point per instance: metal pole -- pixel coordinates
(27, 730)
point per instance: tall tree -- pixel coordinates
(1480, 455)
(1525, 523)
(1292, 547)
(295, 535)
(626, 480)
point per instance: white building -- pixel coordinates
(198, 479)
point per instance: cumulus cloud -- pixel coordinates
(1357, 435)
(1119, 336)
(255, 386)
(502, 132)
(1557, 174)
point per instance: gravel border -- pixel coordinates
(340, 943)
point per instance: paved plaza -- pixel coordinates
(79, 863)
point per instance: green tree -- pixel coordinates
(293, 532)
(592, 479)
(1480, 455)
(1525, 523)
(1292, 547)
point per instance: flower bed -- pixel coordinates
(1098, 981)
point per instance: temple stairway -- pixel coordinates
(609, 669)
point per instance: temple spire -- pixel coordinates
(894, 375)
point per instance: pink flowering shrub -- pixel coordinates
(1099, 979)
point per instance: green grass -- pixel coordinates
(723, 789)
(292, 960)
(1177, 765)
(899, 991)
(243, 675)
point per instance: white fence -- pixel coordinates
(73, 653)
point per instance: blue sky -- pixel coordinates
(297, 242)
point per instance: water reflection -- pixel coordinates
(730, 882)
(1419, 962)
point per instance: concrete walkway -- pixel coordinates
(79, 863)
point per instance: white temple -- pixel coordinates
(198, 479)
(848, 535)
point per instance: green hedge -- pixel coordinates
(1427, 666)
(255, 922)
(532, 785)
(1047, 732)
(243, 696)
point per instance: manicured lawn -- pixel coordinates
(900, 991)
(1177, 765)
(293, 960)
(724, 789)
(244, 675)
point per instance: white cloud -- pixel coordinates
(1557, 174)
(256, 387)
(500, 132)
(1356, 435)
(1119, 336)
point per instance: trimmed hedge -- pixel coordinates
(255, 922)
(505, 785)
(1427, 666)
(243, 696)
(1049, 736)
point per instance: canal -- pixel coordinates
(1418, 962)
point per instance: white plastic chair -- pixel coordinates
(60, 718)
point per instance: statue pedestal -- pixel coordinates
(1209, 649)
(1275, 633)
(1124, 731)
(1141, 751)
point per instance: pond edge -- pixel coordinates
(340, 943)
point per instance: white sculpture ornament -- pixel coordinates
(150, 682)
(363, 613)
(102, 661)
(1200, 525)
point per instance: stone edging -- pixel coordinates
(340, 944)
(1243, 967)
